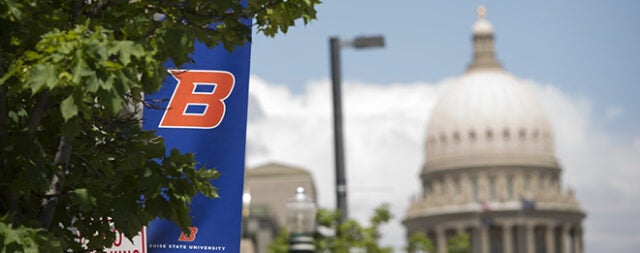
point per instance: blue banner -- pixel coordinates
(207, 116)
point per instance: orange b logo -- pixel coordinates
(188, 238)
(198, 100)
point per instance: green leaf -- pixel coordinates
(126, 49)
(116, 103)
(81, 70)
(68, 108)
(92, 84)
(107, 84)
(25, 239)
(42, 75)
(13, 10)
(208, 174)
(83, 199)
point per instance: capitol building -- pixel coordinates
(491, 169)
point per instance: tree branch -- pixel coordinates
(4, 114)
(4, 123)
(61, 160)
(93, 168)
(97, 9)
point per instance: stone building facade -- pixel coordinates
(490, 168)
(267, 189)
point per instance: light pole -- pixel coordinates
(335, 44)
(301, 222)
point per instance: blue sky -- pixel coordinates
(583, 56)
(586, 48)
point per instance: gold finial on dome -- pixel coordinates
(482, 12)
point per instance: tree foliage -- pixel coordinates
(280, 244)
(74, 161)
(418, 242)
(460, 243)
(351, 236)
(333, 236)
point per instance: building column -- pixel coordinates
(521, 247)
(550, 238)
(565, 237)
(484, 238)
(441, 240)
(507, 241)
(531, 246)
(577, 244)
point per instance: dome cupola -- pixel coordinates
(483, 49)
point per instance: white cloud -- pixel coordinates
(384, 130)
(605, 173)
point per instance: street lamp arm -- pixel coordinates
(376, 41)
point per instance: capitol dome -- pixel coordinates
(488, 117)
(490, 170)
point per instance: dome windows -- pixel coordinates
(456, 137)
(535, 134)
(472, 136)
(489, 135)
(523, 134)
(505, 134)
(443, 139)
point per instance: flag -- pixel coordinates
(528, 204)
(485, 208)
(206, 116)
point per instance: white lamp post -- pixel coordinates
(301, 222)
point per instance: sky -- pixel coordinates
(583, 57)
